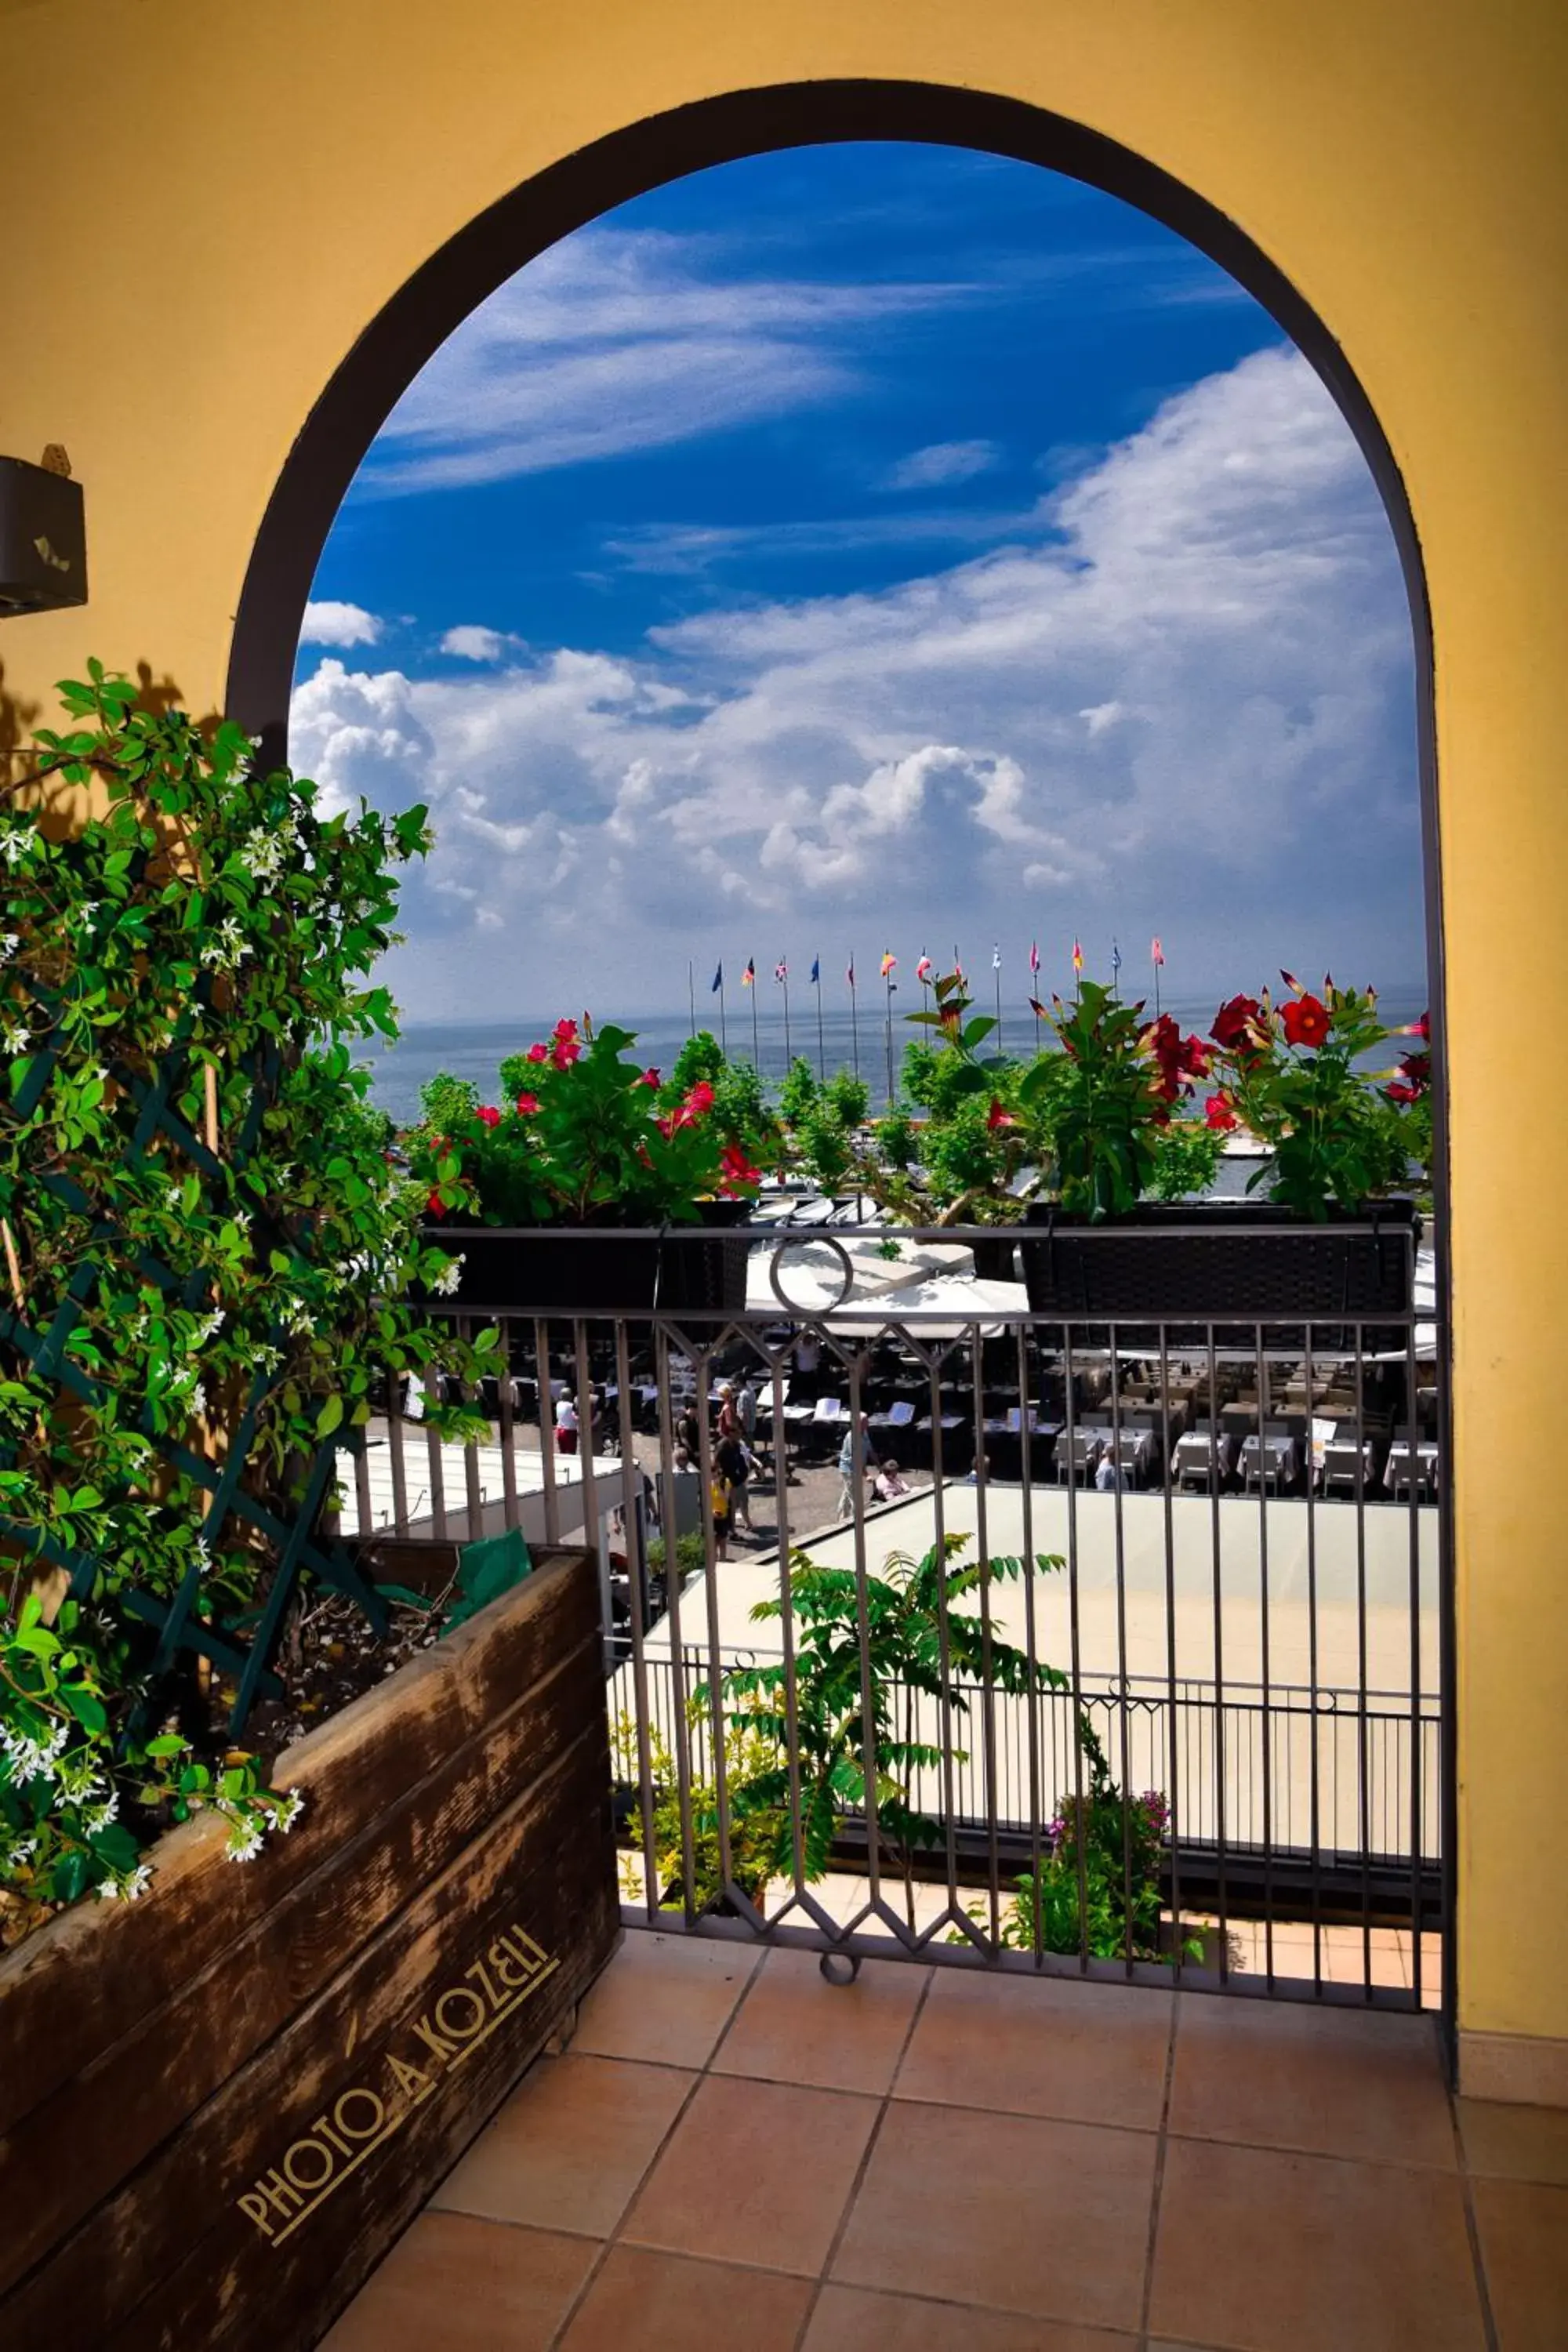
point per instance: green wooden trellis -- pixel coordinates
(42, 1340)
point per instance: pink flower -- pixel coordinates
(435, 1206)
(997, 1117)
(736, 1171)
(1219, 1114)
(700, 1101)
(538, 1054)
(527, 1105)
(564, 1049)
(488, 1114)
(648, 1078)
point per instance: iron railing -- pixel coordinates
(1265, 1651)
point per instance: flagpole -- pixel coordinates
(892, 1089)
(756, 1042)
(723, 1025)
(996, 974)
(1034, 988)
(821, 1046)
(1157, 963)
(854, 1018)
(789, 1050)
(691, 992)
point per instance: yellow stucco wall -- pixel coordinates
(204, 201)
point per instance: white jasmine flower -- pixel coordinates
(243, 1841)
(9, 943)
(16, 1038)
(445, 1285)
(98, 1817)
(288, 1812)
(23, 1851)
(33, 1758)
(127, 1885)
(18, 844)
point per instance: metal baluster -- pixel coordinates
(505, 1401)
(987, 1693)
(1219, 1753)
(786, 1627)
(394, 1444)
(636, 1582)
(1120, 1540)
(1316, 1830)
(473, 1492)
(1174, 1814)
(1032, 1702)
(715, 1657)
(547, 1431)
(1416, 1665)
(1075, 1645)
(1265, 1397)
(676, 1651)
(1364, 1790)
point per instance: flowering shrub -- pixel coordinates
(1113, 1093)
(1288, 1074)
(584, 1137)
(197, 1208)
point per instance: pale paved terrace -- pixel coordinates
(734, 2152)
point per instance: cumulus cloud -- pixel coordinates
(468, 643)
(620, 339)
(942, 461)
(332, 623)
(1182, 704)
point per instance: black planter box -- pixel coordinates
(534, 1270)
(1245, 1261)
(997, 1260)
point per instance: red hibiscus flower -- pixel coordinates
(1400, 1094)
(528, 1105)
(1195, 1061)
(1234, 1020)
(1219, 1114)
(700, 1101)
(565, 1048)
(648, 1078)
(1306, 1021)
(435, 1206)
(736, 1171)
(997, 1117)
(538, 1054)
(488, 1114)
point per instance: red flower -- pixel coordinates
(435, 1206)
(1195, 1057)
(538, 1054)
(648, 1078)
(1233, 1022)
(997, 1117)
(1306, 1021)
(700, 1101)
(528, 1105)
(565, 1048)
(736, 1171)
(490, 1117)
(1400, 1095)
(1219, 1114)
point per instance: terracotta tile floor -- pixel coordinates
(735, 2152)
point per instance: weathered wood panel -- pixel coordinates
(61, 2005)
(248, 2149)
(79, 2143)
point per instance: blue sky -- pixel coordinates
(864, 542)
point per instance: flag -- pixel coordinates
(1034, 956)
(1077, 957)
(1156, 953)
(890, 963)
(923, 969)
(997, 958)
(816, 972)
(849, 971)
(717, 980)
(781, 970)
(1115, 957)
(749, 977)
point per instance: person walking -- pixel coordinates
(731, 1463)
(847, 1493)
(567, 1425)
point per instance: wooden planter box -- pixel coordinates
(221, 2104)
(532, 1270)
(1243, 1261)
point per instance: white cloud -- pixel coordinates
(466, 642)
(621, 340)
(332, 623)
(942, 461)
(1185, 708)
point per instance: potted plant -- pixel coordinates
(590, 1140)
(1330, 1238)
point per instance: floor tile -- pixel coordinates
(664, 1998)
(1041, 2046)
(1524, 2247)
(757, 2172)
(569, 2148)
(466, 2286)
(669, 2301)
(1273, 2252)
(854, 2319)
(796, 2027)
(1045, 2218)
(1510, 2143)
(1337, 2082)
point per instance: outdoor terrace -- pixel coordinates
(928, 2159)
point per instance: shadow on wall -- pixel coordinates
(61, 804)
